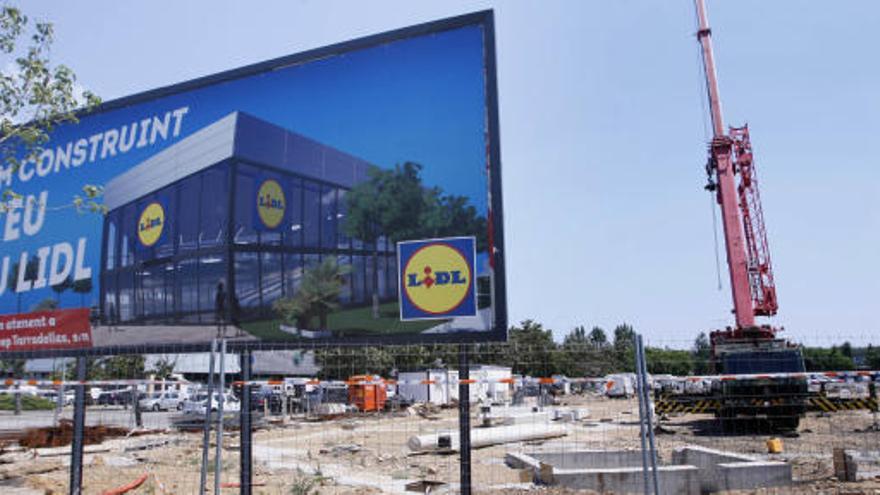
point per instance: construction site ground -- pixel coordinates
(368, 454)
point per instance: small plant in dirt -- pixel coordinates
(306, 484)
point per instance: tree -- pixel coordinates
(531, 350)
(872, 357)
(624, 347)
(668, 361)
(163, 368)
(82, 287)
(582, 354)
(388, 203)
(598, 338)
(701, 354)
(394, 203)
(819, 359)
(318, 295)
(35, 97)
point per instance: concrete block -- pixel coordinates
(749, 475)
(672, 479)
(853, 465)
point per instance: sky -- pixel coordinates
(603, 132)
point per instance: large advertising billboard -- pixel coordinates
(266, 205)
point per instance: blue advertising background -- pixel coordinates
(420, 99)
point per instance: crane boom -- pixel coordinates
(732, 177)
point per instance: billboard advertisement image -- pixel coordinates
(349, 194)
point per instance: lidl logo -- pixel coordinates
(437, 278)
(271, 204)
(151, 224)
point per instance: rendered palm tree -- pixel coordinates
(318, 295)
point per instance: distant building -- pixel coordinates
(46, 368)
(195, 366)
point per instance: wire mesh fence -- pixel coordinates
(561, 416)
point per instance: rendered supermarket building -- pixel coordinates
(209, 186)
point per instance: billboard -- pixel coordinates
(269, 204)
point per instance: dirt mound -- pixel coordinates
(61, 435)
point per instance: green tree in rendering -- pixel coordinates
(394, 203)
(388, 203)
(317, 295)
(35, 97)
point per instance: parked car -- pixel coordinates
(52, 395)
(198, 403)
(161, 401)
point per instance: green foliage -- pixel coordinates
(163, 368)
(128, 366)
(872, 357)
(317, 295)
(35, 97)
(394, 203)
(12, 367)
(583, 354)
(701, 354)
(531, 350)
(668, 361)
(624, 347)
(598, 338)
(820, 359)
(28, 403)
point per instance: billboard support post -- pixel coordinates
(245, 425)
(464, 420)
(79, 420)
(206, 427)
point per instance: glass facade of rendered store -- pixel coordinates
(213, 236)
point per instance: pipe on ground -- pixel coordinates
(483, 437)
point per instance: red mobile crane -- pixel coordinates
(747, 347)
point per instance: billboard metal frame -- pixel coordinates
(484, 19)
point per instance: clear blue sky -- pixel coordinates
(602, 133)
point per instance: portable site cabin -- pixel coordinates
(494, 384)
(620, 385)
(436, 386)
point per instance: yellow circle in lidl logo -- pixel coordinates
(150, 224)
(270, 203)
(437, 278)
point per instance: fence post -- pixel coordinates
(643, 370)
(245, 426)
(642, 407)
(206, 427)
(464, 420)
(79, 421)
(221, 381)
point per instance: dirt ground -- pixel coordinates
(368, 454)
